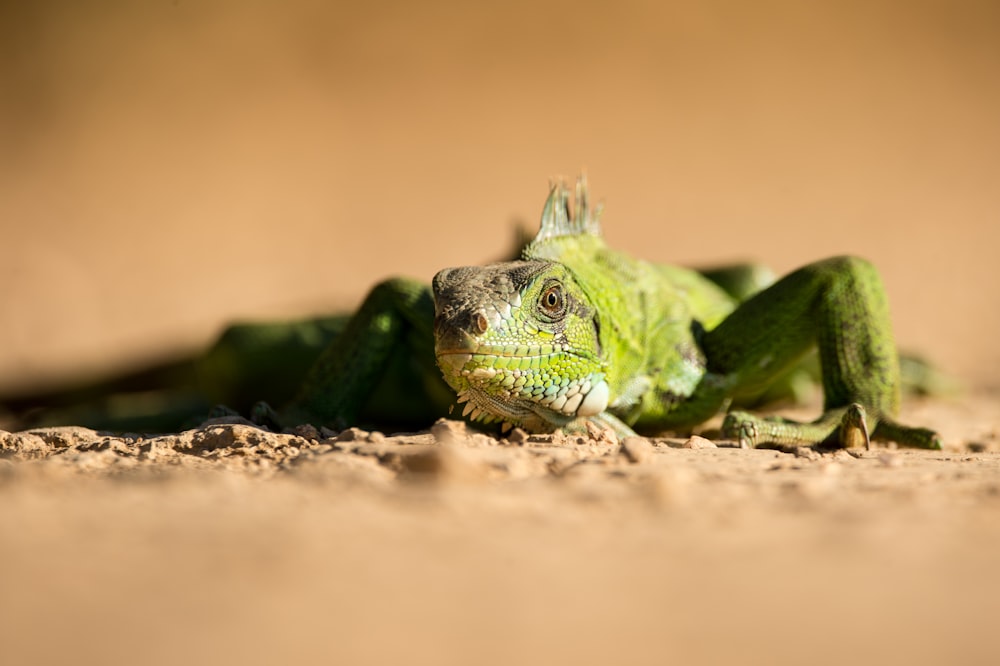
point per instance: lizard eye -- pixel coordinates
(552, 300)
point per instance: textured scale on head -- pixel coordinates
(520, 341)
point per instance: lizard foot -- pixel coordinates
(752, 431)
(742, 427)
(917, 438)
(845, 427)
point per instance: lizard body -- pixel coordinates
(580, 331)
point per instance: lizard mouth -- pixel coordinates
(510, 352)
(515, 386)
(486, 408)
(520, 351)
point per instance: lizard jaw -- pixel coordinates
(486, 407)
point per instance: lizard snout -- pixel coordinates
(457, 319)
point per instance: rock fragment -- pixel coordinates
(697, 442)
(23, 446)
(518, 437)
(353, 435)
(601, 434)
(306, 431)
(65, 436)
(636, 450)
(449, 431)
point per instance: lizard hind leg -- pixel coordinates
(838, 305)
(845, 427)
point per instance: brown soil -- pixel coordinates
(231, 544)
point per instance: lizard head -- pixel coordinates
(520, 343)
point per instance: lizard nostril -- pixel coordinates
(480, 322)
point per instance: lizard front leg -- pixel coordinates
(397, 315)
(839, 305)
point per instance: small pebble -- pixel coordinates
(518, 437)
(601, 434)
(696, 442)
(306, 431)
(636, 449)
(352, 435)
(449, 431)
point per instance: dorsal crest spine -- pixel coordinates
(559, 219)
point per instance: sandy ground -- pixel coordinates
(166, 168)
(228, 544)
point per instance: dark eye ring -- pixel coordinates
(552, 299)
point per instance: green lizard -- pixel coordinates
(572, 332)
(576, 331)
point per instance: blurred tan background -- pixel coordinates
(166, 167)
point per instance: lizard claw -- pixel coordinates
(854, 428)
(741, 427)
